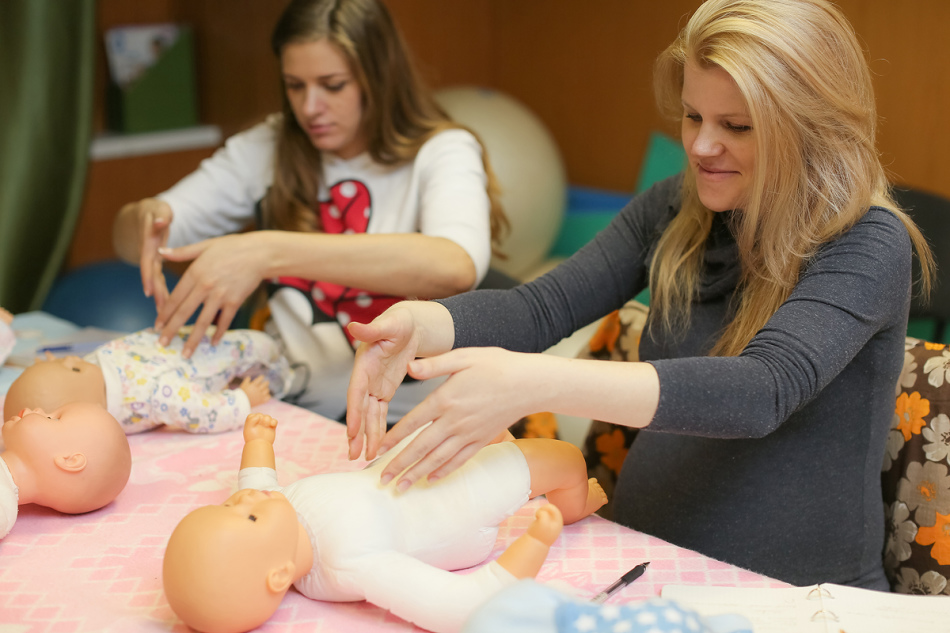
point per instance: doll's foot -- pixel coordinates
(547, 524)
(596, 497)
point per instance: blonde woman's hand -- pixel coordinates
(487, 390)
(387, 346)
(224, 271)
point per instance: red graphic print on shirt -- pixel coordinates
(347, 211)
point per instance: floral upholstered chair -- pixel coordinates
(916, 474)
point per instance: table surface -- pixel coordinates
(101, 571)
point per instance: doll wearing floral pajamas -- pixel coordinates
(148, 385)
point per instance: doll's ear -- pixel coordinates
(71, 463)
(280, 578)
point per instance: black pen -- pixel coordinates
(624, 580)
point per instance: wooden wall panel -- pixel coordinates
(586, 70)
(911, 64)
(451, 41)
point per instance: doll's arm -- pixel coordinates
(429, 597)
(260, 430)
(179, 403)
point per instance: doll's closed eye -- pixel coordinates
(252, 517)
(75, 369)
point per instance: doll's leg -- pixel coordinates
(504, 436)
(558, 470)
(524, 557)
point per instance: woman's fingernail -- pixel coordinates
(164, 250)
(385, 479)
(403, 485)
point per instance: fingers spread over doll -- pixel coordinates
(428, 451)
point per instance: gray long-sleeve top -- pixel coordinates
(769, 460)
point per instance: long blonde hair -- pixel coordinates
(807, 85)
(399, 113)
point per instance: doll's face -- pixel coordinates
(51, 382)
(77, 454)
(71, 367)
(227, 567)
(34, 427)
(260, 513)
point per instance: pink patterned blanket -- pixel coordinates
(101, 572)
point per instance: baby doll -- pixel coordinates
(75, 459)
(145, 385)
(343, 537)
(7, 337)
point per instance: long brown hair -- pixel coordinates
(806, 82)
(399, 112)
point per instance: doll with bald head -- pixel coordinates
(342, 537)
(146, 385)
(74, 459)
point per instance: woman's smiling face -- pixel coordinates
(717, 136)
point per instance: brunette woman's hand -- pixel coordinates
(141, 231)
(223, 273)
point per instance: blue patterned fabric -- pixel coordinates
(530, 607)
(653, 616)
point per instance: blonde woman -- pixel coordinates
(366, 191)
(780, 273)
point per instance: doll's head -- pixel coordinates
(228, 567)
(52, 382)
(74, 459)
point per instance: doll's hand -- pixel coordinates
(388, 344)
(488, 390)
(224, 272)
(257, 390)
(260, 426)
(5, 316)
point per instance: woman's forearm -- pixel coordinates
(621, 393)
(402, 264)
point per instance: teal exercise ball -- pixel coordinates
(107, 295)
(529, 168)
